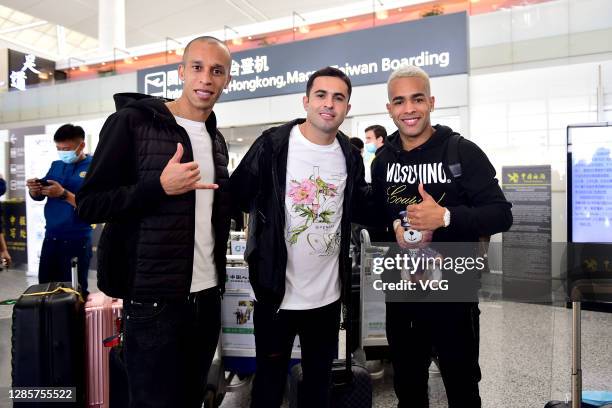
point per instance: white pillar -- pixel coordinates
(111, 25)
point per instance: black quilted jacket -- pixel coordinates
(146, 247)
(258, 187)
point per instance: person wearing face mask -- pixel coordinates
(66, 235)
(375, 137)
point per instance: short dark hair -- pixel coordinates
(332, 72)
(357, 142)
(379, 131)
(68, 132)
(203, 38)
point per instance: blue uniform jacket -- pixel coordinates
(61, 218)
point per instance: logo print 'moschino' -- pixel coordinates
(426, 173)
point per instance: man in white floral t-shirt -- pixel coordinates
(300, 183)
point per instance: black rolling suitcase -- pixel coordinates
(48, 340)
(117, 379)
(599, 290)
(351, 382)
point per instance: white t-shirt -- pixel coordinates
(204, 271)
(316, 177)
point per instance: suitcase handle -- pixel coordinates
(74, 271)
(57, 290)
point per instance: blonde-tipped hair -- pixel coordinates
(410, 71)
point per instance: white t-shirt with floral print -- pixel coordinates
(314, 194)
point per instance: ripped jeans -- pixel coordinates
(274, 336)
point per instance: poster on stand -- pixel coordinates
(40, 152)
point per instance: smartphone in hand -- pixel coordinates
(43, 183)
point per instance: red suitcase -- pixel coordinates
(101, 314)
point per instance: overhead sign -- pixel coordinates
(437, 44)
(27, 69)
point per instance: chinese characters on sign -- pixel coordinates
(366, 56)
(18, 78)
(249, 66)
(15, 230)
(25, 70)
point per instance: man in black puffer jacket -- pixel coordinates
(158, 180)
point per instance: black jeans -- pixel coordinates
(274, 336)
(168, 349)
(55, 257)
(453, 331)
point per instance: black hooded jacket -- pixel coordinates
(258, 187)
(147, 245)
(476, 202)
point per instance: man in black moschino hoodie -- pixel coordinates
(410, 173)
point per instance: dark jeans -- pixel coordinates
(274, 336)
(452, 329)
(55, 257)
(169, 346)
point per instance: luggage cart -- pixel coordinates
(233, 366)
(373, 309)
(372, 302)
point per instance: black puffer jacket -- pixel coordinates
(146, 247)
(258, 187)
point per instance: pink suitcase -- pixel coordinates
(101, 313)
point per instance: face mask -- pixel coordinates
(370, 147)
(67, 157)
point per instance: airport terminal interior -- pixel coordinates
(528, 81)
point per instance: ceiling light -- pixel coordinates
(180, 52)
(304, 29)
(128, 60)
(237, 40)
(103, 63)
(83, 68)
(382, 14)
(250, 37)
(240, 139)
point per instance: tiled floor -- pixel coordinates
(525, 354)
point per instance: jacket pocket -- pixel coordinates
(144, 311)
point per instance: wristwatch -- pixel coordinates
(64, 195)
(446, 217)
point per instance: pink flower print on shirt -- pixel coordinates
(309, 197)
(303, 193)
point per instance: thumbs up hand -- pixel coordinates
(426, 215)
(179, 178)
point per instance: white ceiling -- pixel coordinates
(150, 21)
